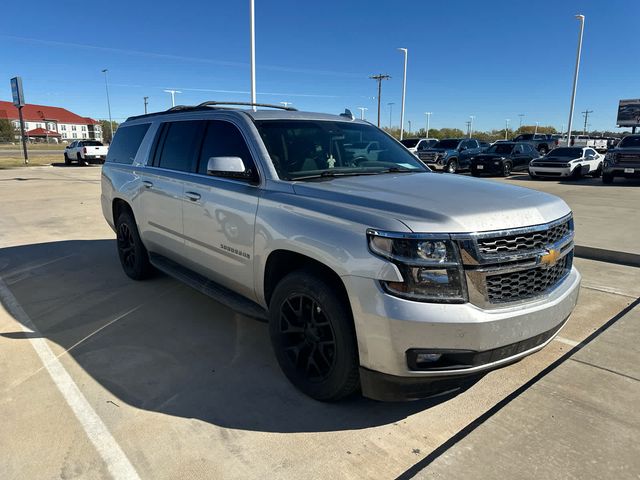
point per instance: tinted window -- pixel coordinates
(630, 142)
(590, 152)
(92, 143)
(223, 139)
(410, 142)
(126, 142)
(528, 148)
(181, 139)
(501, 148)
(566, 152)
(447, 144)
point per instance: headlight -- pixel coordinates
(430, 266)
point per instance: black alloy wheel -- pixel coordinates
(506, 169)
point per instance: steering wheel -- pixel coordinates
(358, 160)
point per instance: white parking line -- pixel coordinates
(566, 341)
(115, 459)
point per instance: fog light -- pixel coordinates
(428, 357)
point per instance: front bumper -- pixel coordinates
(387, 327)
(488, 168)
(629, 170)
(551, 171)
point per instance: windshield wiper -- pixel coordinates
(331, 174)
(399, 170)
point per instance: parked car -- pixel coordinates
(451, 154)
(374, 273)
(417, 144)
(598, 144)
(541, 142)
(503, 158)
(623, 160)
(563, 162)
(85, 151)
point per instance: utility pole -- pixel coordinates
(585, 114)
(575, 79)
(362, 110)
(521, 115)
(409, 121)
(106, 86)
(471, 117)
(428, 115)
(391, 104)
(468, 124)
(404, 88)
(173, 96)
(146, 102)
(536, 130)
(506, 128)
(379, 79)
(252, 18)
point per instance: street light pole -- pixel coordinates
(536, 130)
(253, 51)
(506, 128)
(404, 88)
(428, 115)
(521, 115)
(145, 104)
(362, 110)
(106, 86)
(391, 104)
(409, 121)
(471, 117)
(575, 78)
(173, 96)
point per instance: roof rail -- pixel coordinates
(250, 104)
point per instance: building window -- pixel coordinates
(63, 127)
(75, 135)
(38, 125)
(84, 128)
(73, 127)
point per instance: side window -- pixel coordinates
(180, 142)
(591, 152)
(223, 139)
(126, 143)
(528, 148)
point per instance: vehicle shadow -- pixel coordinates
(161, 346)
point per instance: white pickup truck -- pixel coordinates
(598, 144)
(85, 151)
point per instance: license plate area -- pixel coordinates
(480, 167)
(629, 170)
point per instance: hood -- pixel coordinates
(435, 203)
(556, 159)
(490, 156)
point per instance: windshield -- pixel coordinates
(447, 144)
(410, 142)
(502, 148)
(526, 136)
(630, 142)
(565, 152)
(311, 149)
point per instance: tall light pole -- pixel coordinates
(106, 86)
(575, 78)
(378, 78)
(173, 96)
(252, 17)
(362, 110)
(146, 102)
(521, 115)
(404, 89)
(536, 130)
(506, 128)
(428, 115)
(409, 122)
(471, 117)
(286, 104)
(391, 104)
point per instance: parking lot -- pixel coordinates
(102, 377)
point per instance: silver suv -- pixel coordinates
(374, 273)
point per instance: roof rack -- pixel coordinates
(213, 104)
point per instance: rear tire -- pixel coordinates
(134, 257)
(313, 337)
(543, 150)
(607, 178)
(79, 160)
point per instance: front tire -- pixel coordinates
(67, 160)
(452, 166)
(134, 257)
(506, 169)
(313, 337)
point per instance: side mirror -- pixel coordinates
(226, 166)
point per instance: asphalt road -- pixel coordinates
(104, 377)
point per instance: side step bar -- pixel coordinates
(208, 287)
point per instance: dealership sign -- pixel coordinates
(629, 113)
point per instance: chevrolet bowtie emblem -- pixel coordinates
(550, 258)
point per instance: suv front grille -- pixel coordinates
(523, 242)
(428, 156)
(509, 287)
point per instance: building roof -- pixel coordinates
(40, 113)
(41, 132)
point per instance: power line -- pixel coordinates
(379, 79)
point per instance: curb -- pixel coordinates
(608, 256)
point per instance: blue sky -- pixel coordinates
(491, 59)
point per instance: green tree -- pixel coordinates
(7, 131)
(106, 131)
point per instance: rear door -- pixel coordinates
(219, 212)
(172, 158)
(472, 149)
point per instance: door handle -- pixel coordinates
(147, 183)
(193, 196)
